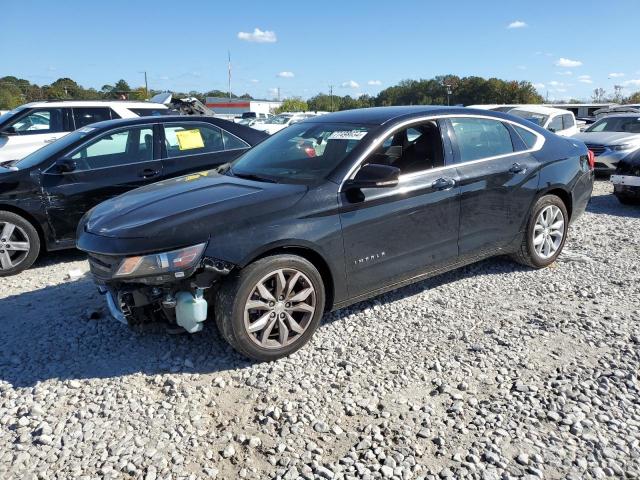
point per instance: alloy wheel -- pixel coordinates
(14, 245)
(548, 231)
(280, 308)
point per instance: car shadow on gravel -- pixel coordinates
(64, 332)
(493, 266)
(609, 205)
(61, 256)
(52, 333)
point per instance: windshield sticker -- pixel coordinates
(347, 135)
(189, 139)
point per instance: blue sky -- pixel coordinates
(566, 48)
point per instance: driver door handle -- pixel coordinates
(148, 173)
(517, 168)
(50, 140)
(443, 183)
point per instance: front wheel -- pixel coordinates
(271, 308)
(19, 244)
(545, 234)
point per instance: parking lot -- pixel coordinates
(492, 371)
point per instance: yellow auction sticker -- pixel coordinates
(189, 139)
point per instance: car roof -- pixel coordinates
(382, 115)
(541, 109)
(95, 103)
(621, 115)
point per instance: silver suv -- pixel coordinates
(611, 139)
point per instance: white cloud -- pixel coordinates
(565, 72)
(374, 82)
(555, 83)
(521, 67)
(635, 82)
(538, 86)
(254, 80)
(259, 36)
(285, 75)
(616, 75)
(561, 90)
(350, 84)
(585, 79)
(567, 63)
(517, 24)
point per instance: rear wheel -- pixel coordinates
(545, 234)
(19, 244)
(271, 308)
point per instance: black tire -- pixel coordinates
(24, 229)
(238, 287)
(526, 253)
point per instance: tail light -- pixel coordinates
(591, 158)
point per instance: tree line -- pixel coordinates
(440, 90)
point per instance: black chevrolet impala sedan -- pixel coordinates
(44, 195)
(331, 211)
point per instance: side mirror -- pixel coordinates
(9, 131)
(66, 165)
(374, 175)
(551, 129)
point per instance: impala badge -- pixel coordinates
(369, 258)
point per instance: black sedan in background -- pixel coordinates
(331, 211)
(626, 181)
(44, 195)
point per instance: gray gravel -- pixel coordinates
(494, 371)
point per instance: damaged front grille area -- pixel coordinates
(103, 266)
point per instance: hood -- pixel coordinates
(608, 138)
(188, 209)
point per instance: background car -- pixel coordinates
(282, 120)
(626, 180)
(331, 211)
(29, 127)
(612, 138)
(556, 120)
(44, 195)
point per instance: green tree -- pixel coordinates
(294, 104)
(633, 98)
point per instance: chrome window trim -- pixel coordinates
(384, 135)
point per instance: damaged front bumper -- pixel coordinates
(179, 301)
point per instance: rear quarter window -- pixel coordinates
(529, 138)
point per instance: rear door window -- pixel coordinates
(479, 138)
(556, 124)
(182, 139)
(568, 121)
(121, 147)
(85, 115)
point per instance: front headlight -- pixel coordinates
(159, 263)
(623, 146)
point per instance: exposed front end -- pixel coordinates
(173, 287)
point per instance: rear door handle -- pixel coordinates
(50, 140)
(148, 173)
(517, 168)
(443, 183)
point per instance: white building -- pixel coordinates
(233, 107)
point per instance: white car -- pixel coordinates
(283, 120)
(556, 120)
(30, 127)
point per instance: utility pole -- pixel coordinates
(278, 93)
(146, 85)
(331, 96)
(229, 72)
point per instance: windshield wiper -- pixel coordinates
(252, 176)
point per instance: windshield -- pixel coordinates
(301, 153)
(52, 148)
(616, 124)
(279, 119)
(537, 118)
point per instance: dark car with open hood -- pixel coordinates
(44, 195)
(331, 211)
(626, 180)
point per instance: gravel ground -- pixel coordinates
(492, 371)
